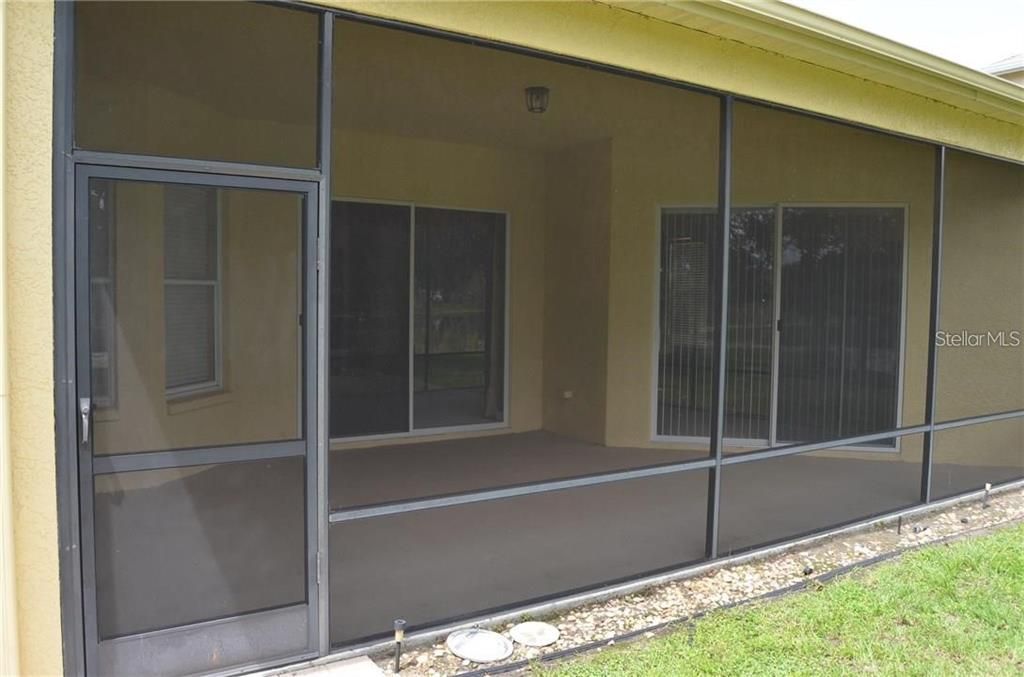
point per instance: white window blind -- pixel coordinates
(191, 289)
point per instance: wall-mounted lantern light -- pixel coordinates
(537, 99)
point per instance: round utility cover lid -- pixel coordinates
(479, 646)
(534, 633)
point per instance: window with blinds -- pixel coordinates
(191, 290)
(685, 362)
(814, 330)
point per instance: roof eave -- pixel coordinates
(943, 79)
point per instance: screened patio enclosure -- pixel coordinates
(366, 338)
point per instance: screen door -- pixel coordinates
(196, 335)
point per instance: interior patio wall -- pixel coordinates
(577, 247)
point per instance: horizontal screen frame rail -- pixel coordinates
(182, 164)
(451, 500)
(183, 458)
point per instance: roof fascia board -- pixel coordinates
(781, 21)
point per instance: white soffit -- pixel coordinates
(803, 35)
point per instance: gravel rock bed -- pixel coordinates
(603, 621)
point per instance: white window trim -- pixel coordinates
(412, 432)
(773, 440)
(216, 385)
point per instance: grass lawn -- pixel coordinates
(944, 610)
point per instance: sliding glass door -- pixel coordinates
(459, 315)
(815, 322)
(417, 310)
(685, 367)
(840, 322)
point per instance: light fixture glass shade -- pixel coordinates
(537, 99)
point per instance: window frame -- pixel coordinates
(412, 431)
(777, 208)
(216, 385)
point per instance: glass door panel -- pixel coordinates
(686, 316)
(369, 311)
(196, 339)
(840, 328)
(459, 311)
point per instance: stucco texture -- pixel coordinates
(28, 141)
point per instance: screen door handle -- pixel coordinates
(84, 408)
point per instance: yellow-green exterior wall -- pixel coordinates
(28, 196)
(585, 30)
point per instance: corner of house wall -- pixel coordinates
(8, 607)
(577, 229)
(28, 317)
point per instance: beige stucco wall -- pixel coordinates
(576, 290)
(28, 141)
(674, 163)
(983, 286)
(982, 291)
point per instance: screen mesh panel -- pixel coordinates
(182, 545)
(981, 332)
(195, 315)
(968, 458)
(437, 565)
(459, 312)
(369, 310)
(212, 80)
(686, 351)
(782, 498)
(840, 322)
